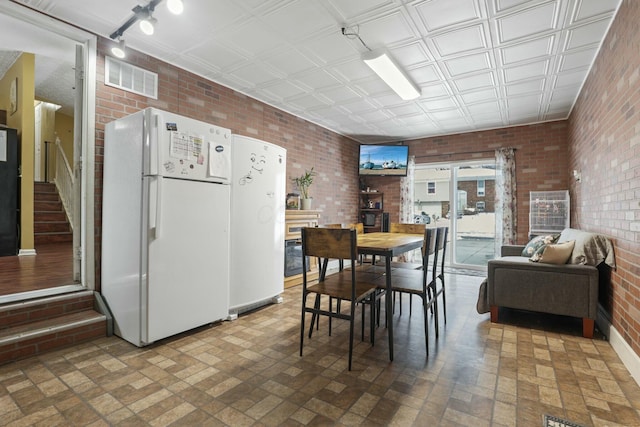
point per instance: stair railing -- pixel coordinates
(64, 182)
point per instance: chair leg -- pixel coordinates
(410, 305)
(434, 310)
(351, 325)
(362, 323)
(315, 317)
(425, 309)
(304, 299)
(330, 309)
(372, 320)
(444, 301)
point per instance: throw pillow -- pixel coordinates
(537, 242)
(558, 253)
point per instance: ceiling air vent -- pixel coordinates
(130, 78)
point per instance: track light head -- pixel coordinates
(147, 25)
(118, 49)
(175, 6)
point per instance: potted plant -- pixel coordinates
(303, 183)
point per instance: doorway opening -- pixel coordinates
(53, 64)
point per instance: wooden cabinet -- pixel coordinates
(295, 221)
(370, 208)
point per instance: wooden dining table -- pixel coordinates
(388, 245)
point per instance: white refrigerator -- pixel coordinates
(165, 224)
(257, 228)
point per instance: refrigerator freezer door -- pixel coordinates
(179, 147)
(258, 203)
(187, 266)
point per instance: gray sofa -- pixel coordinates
(569, 289)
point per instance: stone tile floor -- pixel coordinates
(248, 372)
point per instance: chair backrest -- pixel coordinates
(407, 228)
(329, 243)
(441, 242)
(358, 226)
(428, 246)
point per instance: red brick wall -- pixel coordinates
(541, 161)
(334, 157)
(604, 144)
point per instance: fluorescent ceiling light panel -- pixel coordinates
(385, 67)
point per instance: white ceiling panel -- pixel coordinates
(460, 41)
(439, 104)
(528, 50)
(587, 9)
(527, 71)
(387, 30)
(479, 95)
(574, 60)
(533, 86)
(588, 34)
(480, 64)
(439, 14)
(479, 81)
(528, 22)
(468, 64)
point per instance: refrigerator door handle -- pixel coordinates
(155, 211)
(154, 152)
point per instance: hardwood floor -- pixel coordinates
(51, 267)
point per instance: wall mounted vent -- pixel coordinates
(130, 78)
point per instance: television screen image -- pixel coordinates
(383, 159)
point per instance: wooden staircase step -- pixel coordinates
(31, 339)
(52, 237)
(49, 216)
(46, 195)
(44, 187)
(50, 220)
(47, 206)
(51, 227)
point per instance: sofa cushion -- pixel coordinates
(558, 253)
(538, 242)
(590, 248)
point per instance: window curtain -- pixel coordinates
(505, 198)
(406, 204)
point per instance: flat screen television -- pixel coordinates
(383, 160)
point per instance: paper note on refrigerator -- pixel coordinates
(185, 146)
(219, 161)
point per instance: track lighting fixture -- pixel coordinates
(118, 49)
(147, 21)
(147, 24)
(175, 6)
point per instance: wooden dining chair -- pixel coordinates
(441, 245)
(418, 282)
(407, 229)
(346, 285)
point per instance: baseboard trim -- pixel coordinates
(629, 358)
(26, 252)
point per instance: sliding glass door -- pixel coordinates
(460, 196)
